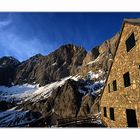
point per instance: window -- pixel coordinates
(105, 112)
(126, 79)
(114, 85)
(130, 42)
(109, 88)
(131, 118)
(112, 114)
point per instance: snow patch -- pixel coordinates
(95, 88)
(91, 62)
(76, 77)
(94, 61)
(54, 64)
(91, 75)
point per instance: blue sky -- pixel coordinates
(23, 35)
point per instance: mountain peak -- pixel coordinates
(45, 69)
(37, 56)
(71, 46)
(8, 60)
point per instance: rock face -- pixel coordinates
(44, 69)
(86, 104)
(95, 52)
(7, 69)
(101, 57)
(107, 50)
(67, 60)
(92, 55)
(6, 105)
(68, 100)
(64, 102)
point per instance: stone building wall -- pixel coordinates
(125, 97)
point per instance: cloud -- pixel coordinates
(11, 44)
(20, 44)
(7, 21)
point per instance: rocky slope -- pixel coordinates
(100, 57)
(44, 69)
(8, 66)
(70, 97)
(64, 84)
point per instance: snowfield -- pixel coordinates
(15, 118)
(16, 93)
(22, 93)
(30, 92)
(19, 93)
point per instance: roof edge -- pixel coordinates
(125, 20)
(114, 56)
(132, 20)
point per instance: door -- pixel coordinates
(131, 118)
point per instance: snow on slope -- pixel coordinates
(16, 93)
(30, 92)
(34, 93)
(91, 75)
(93, 88)
(45, 91)
(15, 118)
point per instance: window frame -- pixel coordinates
(112, 114)
(130, 42)
(126, 83)
(114, 83)
(105, 111)
(109, 88)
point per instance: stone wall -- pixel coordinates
(125, 97)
